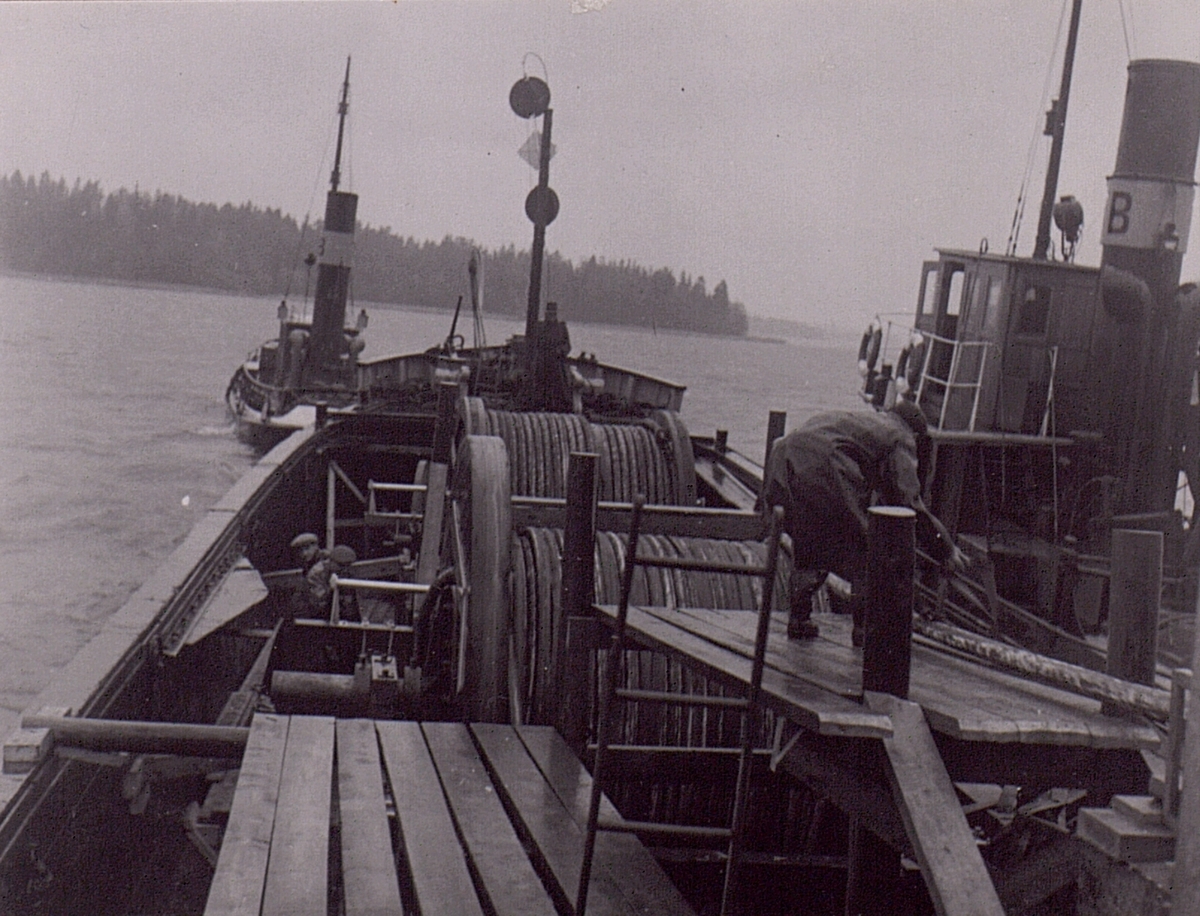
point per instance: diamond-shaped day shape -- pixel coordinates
(531, 150)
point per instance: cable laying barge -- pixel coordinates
(220, 747)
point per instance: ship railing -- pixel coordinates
(959, 377)
(374, 488)
(340, 583)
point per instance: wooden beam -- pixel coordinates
(1134, 595)
(1186, 880)
(957, 880)
(544, 824)
(676, 521)
(298, 872)
(431, 530)
(887, 652)
(571, 671)
(237, 884)
(619, 854)
(441, 881)
(368, 866)
(507, 876)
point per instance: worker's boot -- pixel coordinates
(800, 625)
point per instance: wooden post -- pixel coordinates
(1133, 600)
(578, 593)
(1176, 730)
(777, 421)
(887, 650)
(443, 428)
(721, 442)
(1185, 881)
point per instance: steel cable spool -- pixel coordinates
(539, 551)
(653, 457)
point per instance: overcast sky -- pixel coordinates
(811, 154)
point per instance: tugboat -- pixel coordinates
(276, 389)
(1062, 398)
(414, 720)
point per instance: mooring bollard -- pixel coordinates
(874, 866)
(887, 650)
(578, 593)
(1133, 599)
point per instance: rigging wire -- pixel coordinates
(1126, 29)
(1038, 132)
(318, 180)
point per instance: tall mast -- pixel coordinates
(343, 108)
(324, 360)
(1056, 122)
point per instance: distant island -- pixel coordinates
(48, 227)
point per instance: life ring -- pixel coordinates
(910, 363)
(868, 349)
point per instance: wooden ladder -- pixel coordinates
(747, 706)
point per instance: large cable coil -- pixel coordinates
(652, 456)
(538, 619)
(537, 639)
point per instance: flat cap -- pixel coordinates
(304, 540)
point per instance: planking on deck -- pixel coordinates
(488, 819)
(817, 683)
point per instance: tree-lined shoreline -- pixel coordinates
(48, 227)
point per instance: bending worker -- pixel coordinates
(825, 475)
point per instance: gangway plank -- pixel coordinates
(957, 880)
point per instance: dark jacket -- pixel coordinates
(827, 473)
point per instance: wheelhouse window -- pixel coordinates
(1035, 311)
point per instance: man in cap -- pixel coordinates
(825, 475)
(307, 548)
(316, 568)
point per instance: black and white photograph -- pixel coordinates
(566, 457)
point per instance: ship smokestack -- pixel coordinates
(1146, 225)
(334, 262)
(333, 281)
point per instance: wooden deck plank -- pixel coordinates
(368, 862)
(541, 818)
(298, 872)
(809, 706)
(441, 880)
(963, 699)
(546, 822)
(507, 875)
(237, 884)
(821, 662)
(957, 879)
(619, 854)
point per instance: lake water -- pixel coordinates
(114, 438)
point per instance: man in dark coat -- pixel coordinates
(825, 475)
